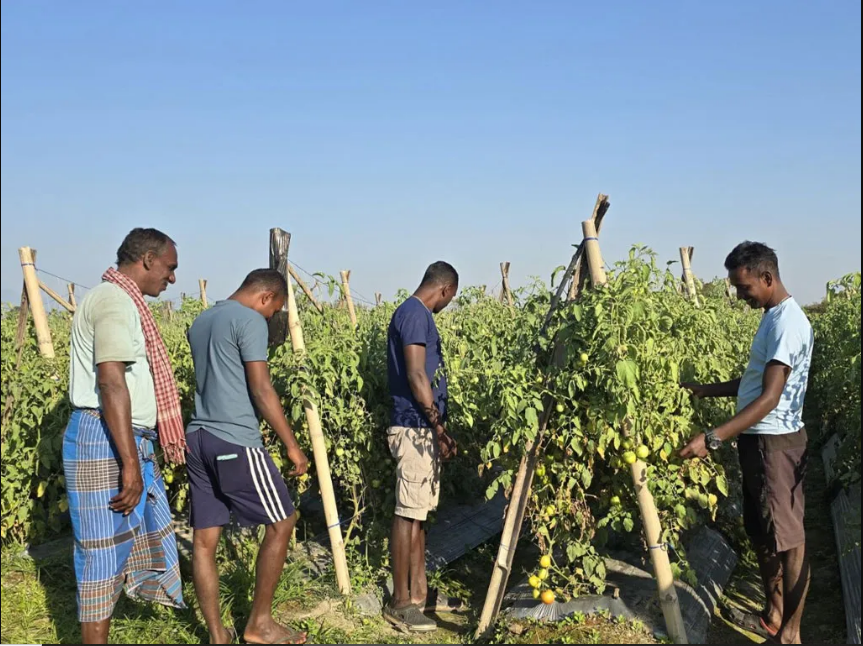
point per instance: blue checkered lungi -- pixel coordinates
(137, 552)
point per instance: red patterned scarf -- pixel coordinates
(172, 434)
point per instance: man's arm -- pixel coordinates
(775, 377)
(267, 402)
(704, 391)
(117, 413)
(415, 362)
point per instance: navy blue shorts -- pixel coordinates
(227, 479)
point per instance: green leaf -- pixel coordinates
(627, 373)
(722, 485)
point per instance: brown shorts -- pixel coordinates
(774, 468)
(417, 455)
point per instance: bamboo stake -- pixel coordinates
(658, 555)
(305, 289)
(597, 217)
(168, 310)
(594, 255)
(279, 241)
(71, 288)
(505, 292)
(62, 301)
(728, 290)
(346, 291)
(202, 284)
(378, 298)
(686, 254)
(649, 516)
(37, 307)
(517, 507)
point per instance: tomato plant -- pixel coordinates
(614, 397)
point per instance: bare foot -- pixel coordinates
(273, 633)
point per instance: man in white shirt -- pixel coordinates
(771, 439)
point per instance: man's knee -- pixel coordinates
(207, 540)
(284, 528)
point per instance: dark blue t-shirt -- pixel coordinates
(413, 324)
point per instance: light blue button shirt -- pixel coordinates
(786, 336)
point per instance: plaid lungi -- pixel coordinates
(112, 551)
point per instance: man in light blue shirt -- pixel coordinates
(771, 439)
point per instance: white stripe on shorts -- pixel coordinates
(250, 455)
(269, 479)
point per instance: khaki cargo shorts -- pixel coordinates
(417, 455)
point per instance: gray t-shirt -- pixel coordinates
(223, 339)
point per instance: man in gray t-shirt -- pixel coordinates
(229, 470)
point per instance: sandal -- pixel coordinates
(410, 619)
(437, 601)
(751, 622)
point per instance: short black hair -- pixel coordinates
(266, 280)
(754, 257)
(440, 273)
(139, 242)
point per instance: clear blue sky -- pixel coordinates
(386, 135)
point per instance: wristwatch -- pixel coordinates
(713, 442)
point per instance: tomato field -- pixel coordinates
(615, 395)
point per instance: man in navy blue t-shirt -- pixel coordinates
(418, 439)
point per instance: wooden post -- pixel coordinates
(279, 242)
(305, 289)
(520, 496)
(60, 300)
(346, 292)
(594, 255)
(658, 555)
(168, 310)
(71, 288)
(378, 298)
(505, 292)
(202, 284)
(597, 217)
(686, 254)
(649, 516)
(728, 289)
(37, 307)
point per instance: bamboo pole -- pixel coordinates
(202, 284)
(37, 307)
(506, 292)
(686, 254)
(649, 516)
(346, 291)
(520, 496)
(728, 289)
(60, 300)
(658, 555)
(594, 255)
(305, 289)
(597, 217)
(71, 288)
(279, 242)
(378, 298)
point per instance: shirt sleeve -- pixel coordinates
(783, 344)
(414, 328)
(252, 339)
(113, 323)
